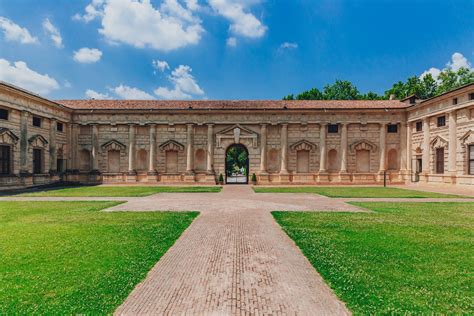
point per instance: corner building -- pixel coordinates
(288, 142)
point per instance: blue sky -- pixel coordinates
(223, 49)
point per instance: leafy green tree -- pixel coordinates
(341, 90)
(313, 94)
(289, 97)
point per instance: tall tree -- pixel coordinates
(341, 90)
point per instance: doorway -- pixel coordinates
(236, 164)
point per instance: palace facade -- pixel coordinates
(288, 142)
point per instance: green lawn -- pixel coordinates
(356, 192)
(406, 258)
(68, 258)
(120, 191)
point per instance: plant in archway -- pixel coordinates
(237, 160)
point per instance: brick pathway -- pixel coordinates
(234, 259)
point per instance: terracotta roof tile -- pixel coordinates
(230, 105)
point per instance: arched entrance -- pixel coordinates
(236, 164)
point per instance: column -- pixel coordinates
(452, 146)
(263, 148)
(284, 148)
(95, 148)
(131, 149)
(426, 145)
(403, 146)
(408, 143)
(52, 147)
(189, 149)
(24, 142)
(383, 133)
(73, 146)
(210, 148)
(322, 147)
(343, 149)
(152, 157)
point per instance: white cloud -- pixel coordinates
(232, 42)
(93, 11)
(185, 86)
(242, 23)
(20, 75)
(13, 32)
(288, 45)
(87, 55)
(457, 61)
(160, 65)
(53, 32)
(138, 23)
(129, 93)
(91, 94)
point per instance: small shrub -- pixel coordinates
(221, 178)
(254, 178)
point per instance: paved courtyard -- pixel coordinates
(234, 258)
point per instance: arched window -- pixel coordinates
(392, 159)
(142, 160)
(85, 160)
(302, 161)
(200, 160)
(171, 160)
(362, 160)
(333, 160)
(113, 161)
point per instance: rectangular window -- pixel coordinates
(471, 96)
(61, 165)
(37, 160)
(333, 128)
(471, 159)
(392, 128)
(36, 121)
(5, 159)
(441, 121)
(59, 127)
(419, 126)
(440, 160)
(3, 114)
(455, 101)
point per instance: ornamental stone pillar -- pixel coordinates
(426, 146)
(95, 148)
(263, 148)
(210, 149)
(24, 167)
(322, 147)
(452, 146)
(152, 157)
(189, 153)
(284, 149)
(403, 147)
(74, 146)
(53, 168)
(409, 149)
(131, 149)
(343, 168)
(382, 145)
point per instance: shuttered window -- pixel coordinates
(5, 159)
(37, 160)
(471, 159)
(440, 160)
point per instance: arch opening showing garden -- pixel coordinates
(237, 164)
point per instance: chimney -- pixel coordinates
(392, 97)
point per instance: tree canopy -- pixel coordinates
(423, 86)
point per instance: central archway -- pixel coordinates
(236, 164)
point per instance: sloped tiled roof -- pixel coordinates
(230, 105)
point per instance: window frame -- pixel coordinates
(439, 163)
(7, 116)
(471, 96)
(6, 161)
(394, 128)
(441, 121)
(38, 120)
(59, 127)
(38, 167)
(470, 159)
(419, 126)
(330, 128)
(455, 101)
